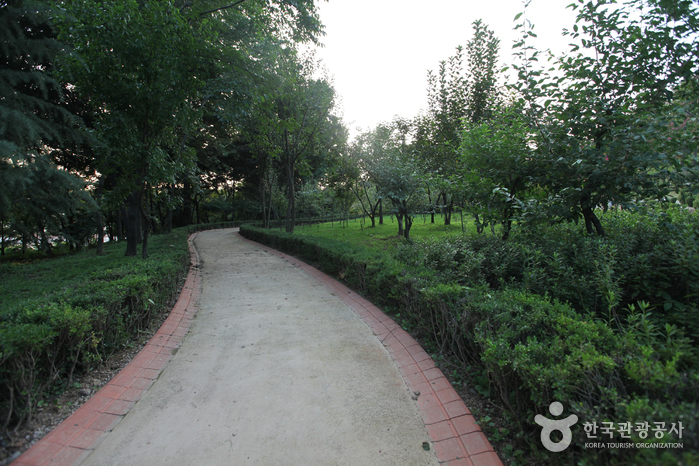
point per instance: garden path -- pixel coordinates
(281, 365)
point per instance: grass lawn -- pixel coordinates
(25, 280)
(380, 237)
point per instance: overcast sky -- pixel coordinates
(379, 51)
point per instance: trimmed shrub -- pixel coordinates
(96, 311)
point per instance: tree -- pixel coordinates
(601, 117)
(392, 168)
(455, 96)
(496, 165)
(356, 170)
(152, 69)
(36, 196)
(138, 67)
(296, 121)
(231, 145)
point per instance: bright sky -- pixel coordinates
(379, 51)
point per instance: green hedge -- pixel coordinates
(73, 311)
(531, 349)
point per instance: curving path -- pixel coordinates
(282, 365)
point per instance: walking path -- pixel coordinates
(282, 366)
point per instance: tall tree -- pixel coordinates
(139, 66)
(456, 95)
(297, 120)
(152, 69)
(35, 194)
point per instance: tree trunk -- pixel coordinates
(133, 225)
(399, 217)
(408, 222)
(448, 210)
(506, 224)
(100, 219)
(270, 209)
(146, 231)
(480, 227)
(592, 223)
(187, 204)
(121, 217)
(196, 208)
(100, 234)
(45, 244)
(168, 216)
(429, 198)
(265, 222)
(291, 194)
(507, 227)
(380, 211)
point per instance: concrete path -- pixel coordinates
(282, 366)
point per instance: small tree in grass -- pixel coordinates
(391, 167)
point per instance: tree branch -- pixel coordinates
(222, 8)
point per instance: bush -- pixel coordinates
(75, 310)
(652, 258)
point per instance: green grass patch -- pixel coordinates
(382, 236)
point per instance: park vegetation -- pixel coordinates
(567, 183)
(123, 119)
(574, 276)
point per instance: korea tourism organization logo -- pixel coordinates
(562, 425)
(608, 434)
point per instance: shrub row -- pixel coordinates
(45, 339)
(532, 349)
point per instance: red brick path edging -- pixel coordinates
(76, 437)
(457, 438)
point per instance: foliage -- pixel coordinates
(296, 124)
(352, 173)
(64, 314)
(141, 90)
(602, 114)
(452, 258)
(312, 201)
(37, 198)
(494, 169)
(455, 96)
(385, 156)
